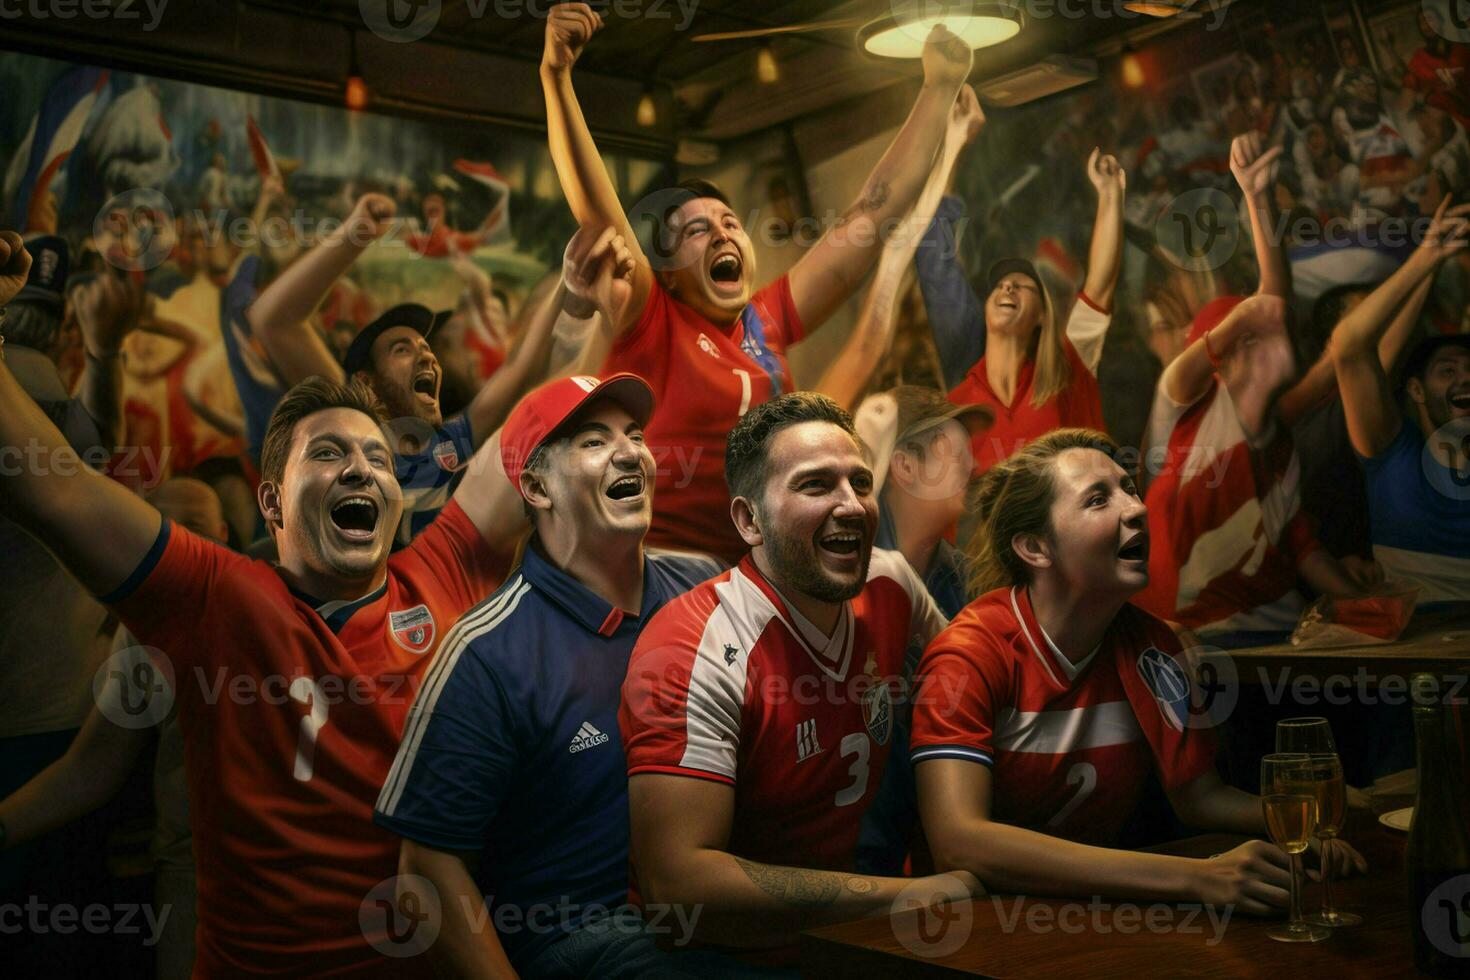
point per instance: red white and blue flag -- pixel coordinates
(53, 135)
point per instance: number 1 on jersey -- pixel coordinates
(744, 390)
(308, 692)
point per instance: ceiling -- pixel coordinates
(714, 84)
(476, 62)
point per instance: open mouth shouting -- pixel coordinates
(842, 547)
(425, 385)
(356, 517)
(726, 272)
(629, 487)
(1460, 402)
(1135, 549)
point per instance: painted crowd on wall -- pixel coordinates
(176, 184)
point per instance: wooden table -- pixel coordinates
(1082, 939)
(1436, 642)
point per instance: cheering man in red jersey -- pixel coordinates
(693, 325)
(292, 680)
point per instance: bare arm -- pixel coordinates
(955, 801)
(829, 272)
(1255, 360)
(847, 377)
(107, 309)
(525, 365)
(1373, 416)
(52, 495)
(278, 315)
(1256, 169)
(1105, 257)
(680, 829)
(92, 771)
(492, 504)
(584, 180)
(467, 945)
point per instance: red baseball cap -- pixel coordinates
(1211, 314)
(544, 411)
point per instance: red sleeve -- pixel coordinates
(682, 704)
(1084, 298)
(172, 592)
(961, 685)
(456, 555)
(776, 300)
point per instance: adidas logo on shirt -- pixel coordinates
(587, 737)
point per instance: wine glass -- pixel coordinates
(1289, 800)
(1331, 808)
(1314, 737)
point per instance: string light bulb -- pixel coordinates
(647, 111)
(767, 69)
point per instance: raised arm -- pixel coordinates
(955, 803)
(829, 272)
(847, 377)
(278, 316)
(524, 367)
(99, 531)
(492, 504)
(1320, 381)
(1105, 257)
(584, 179)
(680, 831)
(1250, 350)
(1373, 416)
(1255, 170)
(108, 309)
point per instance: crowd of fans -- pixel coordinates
(632, 659)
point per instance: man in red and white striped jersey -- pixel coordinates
(759, 708)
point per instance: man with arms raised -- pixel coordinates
(293, 680)
(1415, 457)
(709, 343)
(759, 708)
(393, 355)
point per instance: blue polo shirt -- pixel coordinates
(1419, 517)
(512, 749)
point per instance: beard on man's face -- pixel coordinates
(796, 565)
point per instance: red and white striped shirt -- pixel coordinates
(1069, 746)
(1225, 520)
(730, 682)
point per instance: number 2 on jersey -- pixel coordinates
(308, 692)
(1084, 776)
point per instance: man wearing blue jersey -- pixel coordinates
(392, 353)
(510, 788)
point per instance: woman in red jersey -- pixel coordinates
(1046, 702)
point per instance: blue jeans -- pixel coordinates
(615, 947)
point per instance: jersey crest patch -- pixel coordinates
(446, 456)
(1169, 685)
(878, 712)
(412, 628)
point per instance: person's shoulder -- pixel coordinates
(497, 627)
(676, 572)
(987, 625)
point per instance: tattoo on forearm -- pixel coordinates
(875, 195)
(796, 888)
